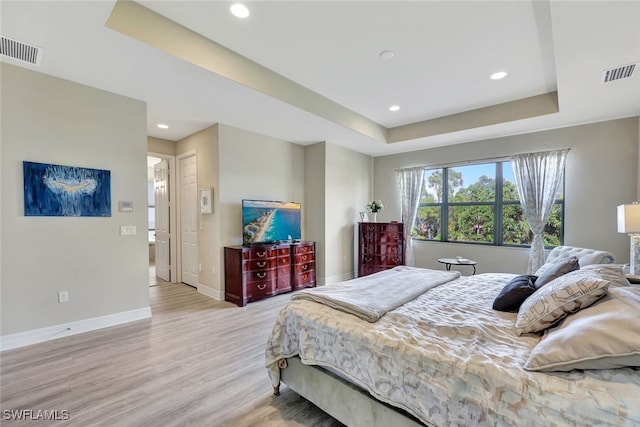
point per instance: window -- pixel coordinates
(151, 211)
(479, 204)
(151, 198)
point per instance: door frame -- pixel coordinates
(178, 229)
(172, 212)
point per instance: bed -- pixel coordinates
(446, 357)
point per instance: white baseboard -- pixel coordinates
(22, 339)
(211, 293)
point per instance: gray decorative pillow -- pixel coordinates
(611, 272)
(563, 296)
(514, 293)
(603, 336)
(556, 270)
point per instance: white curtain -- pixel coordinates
(409, 184)
(537, 177)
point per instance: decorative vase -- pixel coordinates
(374, 216)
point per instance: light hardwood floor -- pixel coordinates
(196, 362)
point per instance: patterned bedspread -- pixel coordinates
(449, 359)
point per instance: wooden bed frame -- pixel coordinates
(341, 399)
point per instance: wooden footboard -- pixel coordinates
(342, 400)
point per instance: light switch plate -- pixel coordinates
(128, 230)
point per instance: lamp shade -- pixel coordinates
(629, 218)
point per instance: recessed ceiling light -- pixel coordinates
(239, 10)
(394, 108)
(162, 126)
(499, 75)
(387, 54)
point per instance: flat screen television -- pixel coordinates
(266, 221)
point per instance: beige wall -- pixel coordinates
(338, 183)
(348, 189)
(315, 202)
(49, 120)
(161, 146)
(601, 173)
(254, 166)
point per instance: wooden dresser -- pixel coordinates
(259, 271)
(380, 246)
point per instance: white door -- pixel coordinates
(189, 221)
(161, 194)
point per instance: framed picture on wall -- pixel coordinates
(56, 190)
(206, 200)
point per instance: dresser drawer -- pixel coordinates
(284, 279)
(304, 258)
(391, 228)
(260, 252)
(260, 276)
(303, 249)
(283, 251)
(304, 280)
(390, 249)
(302, 268)
(259, 290)
(284, 261)
(259, 264)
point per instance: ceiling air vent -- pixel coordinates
(20, 51)
(618, 73)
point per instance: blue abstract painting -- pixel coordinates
(54, 190)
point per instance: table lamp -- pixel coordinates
(629, 222)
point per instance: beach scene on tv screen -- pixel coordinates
(267, 221)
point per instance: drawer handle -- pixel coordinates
(261, 287)
(304, 257)
(261, 254)
(262, 264)
(262, 275)
(304, 267)
(284, 260)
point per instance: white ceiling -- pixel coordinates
(444, 54)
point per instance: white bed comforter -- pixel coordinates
(449, 359)
(369, 298)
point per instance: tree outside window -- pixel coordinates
(479, 204)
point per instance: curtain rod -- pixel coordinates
(475, 161)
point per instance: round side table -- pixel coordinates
(448, 262)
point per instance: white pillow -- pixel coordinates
(559, 298)
(611, 272)
(603, 336)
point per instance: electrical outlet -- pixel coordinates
(63, 296)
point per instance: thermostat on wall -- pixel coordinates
(126, 206)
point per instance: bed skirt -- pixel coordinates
(341, 399)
